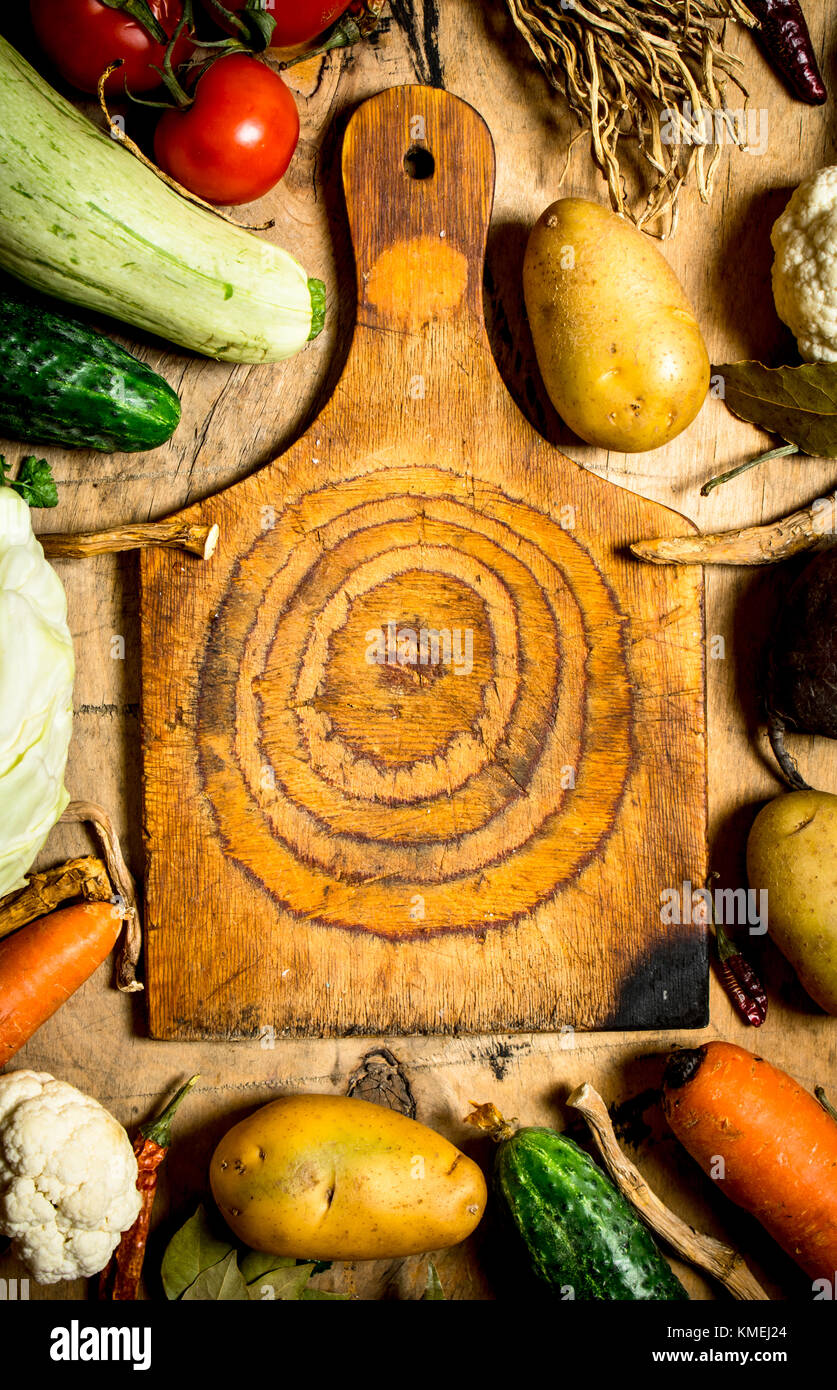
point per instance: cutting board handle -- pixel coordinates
(418, 171)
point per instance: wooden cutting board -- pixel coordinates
(422, 745)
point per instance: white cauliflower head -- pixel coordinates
(68, 1177)
(805, 267)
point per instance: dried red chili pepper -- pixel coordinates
(740, 981)
(784, 38)
(119, 1280)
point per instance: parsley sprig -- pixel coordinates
(34, 481)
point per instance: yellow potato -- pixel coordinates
(792, 853)
(619, 349)
(331, 1178)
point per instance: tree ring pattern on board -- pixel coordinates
(395, 797)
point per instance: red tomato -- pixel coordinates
(236, 140)
(297, 21)
(83, 37)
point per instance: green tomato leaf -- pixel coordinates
(286, 1283)
(260, 25)
(433, 1291)
(797, 403)
(143, 14)
(190, 1251)
(257, 1262)
(221, 1283)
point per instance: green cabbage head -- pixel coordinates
(36, 693)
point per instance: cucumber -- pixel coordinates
(582, 1238)
(84, 220)
(61, 383)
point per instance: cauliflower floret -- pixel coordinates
(68, 1177)
(805, 268)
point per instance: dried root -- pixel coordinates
(650, 71)
(812, 528)
(721, 1261)
(190, 536)
(123, 883)
(78, 878)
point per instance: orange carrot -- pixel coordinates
(777, 1145)
(46, 962)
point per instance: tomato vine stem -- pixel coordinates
(143, 14)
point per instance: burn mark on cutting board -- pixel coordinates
(669, 982)
(419, 20)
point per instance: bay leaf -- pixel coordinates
(221, 1283)
(433, 1292)
(285, 1283)
(310, 1293)
(191, 1250)
(797, 403)
(257, 1262)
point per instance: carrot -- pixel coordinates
(777, 1145)
(45, 962)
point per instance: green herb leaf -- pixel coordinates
(256, 1263)
(34, 482)
(797, 403)
(191, 1251)
(309, 1294)
(317, 291)
(433, 1292)
(221, 1283)
(286, 1283)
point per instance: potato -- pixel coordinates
(619, 349)
(330, 1178)
(792, 852)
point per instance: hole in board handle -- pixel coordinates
(419, 163)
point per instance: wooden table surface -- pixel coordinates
(237, 418)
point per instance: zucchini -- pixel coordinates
(582, 1239)
(62, 383)
(84, 220)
